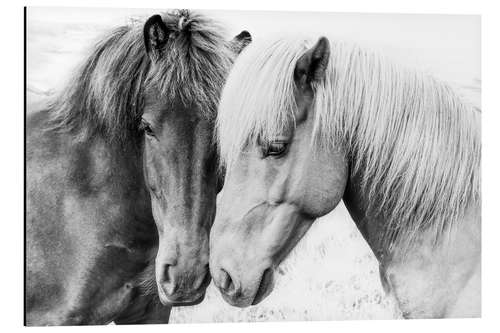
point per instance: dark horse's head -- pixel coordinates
(151, 92)
(189, 61)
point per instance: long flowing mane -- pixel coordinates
(106, 95)
(413, 142)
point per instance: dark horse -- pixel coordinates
(122, 167)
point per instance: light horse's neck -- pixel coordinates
(413, 147)
(414, 186)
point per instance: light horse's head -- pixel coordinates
(189, 61)
(278, 181)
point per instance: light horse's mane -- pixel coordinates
(107, 94)
(412, 140)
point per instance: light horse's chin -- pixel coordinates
(245, 275)
(243, 299)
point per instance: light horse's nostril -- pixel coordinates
(226, 282)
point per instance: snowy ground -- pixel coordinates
(331, 274)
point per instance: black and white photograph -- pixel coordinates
(218, 165)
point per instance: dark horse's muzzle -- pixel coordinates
(177, 286)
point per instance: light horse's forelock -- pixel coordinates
(257, 100)
(408, 136)
(107, 93)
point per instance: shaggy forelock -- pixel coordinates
(196, 62)
(107, 94)
(258, 97)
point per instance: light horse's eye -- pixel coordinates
(275, 148)
(146, 127)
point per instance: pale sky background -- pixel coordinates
(331, 274)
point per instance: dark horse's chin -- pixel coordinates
(197, 297)
(195, 301)
(189, 303)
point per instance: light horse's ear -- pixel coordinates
(240, 41)
(156, 36)
(311, 66)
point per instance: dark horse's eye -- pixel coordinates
(146, 127)
(275, 148)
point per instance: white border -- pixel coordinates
(11, 227)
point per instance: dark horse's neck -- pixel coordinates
(115, 170)
(89, 209)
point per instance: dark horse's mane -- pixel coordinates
(107, 93)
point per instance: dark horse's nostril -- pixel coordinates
(166, 274)
(227, 284)
(167, 280)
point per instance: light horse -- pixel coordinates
(302, 125)
(121, 176)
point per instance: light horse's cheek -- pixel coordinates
(318, 204)
(321, 194)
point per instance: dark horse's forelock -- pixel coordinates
(107, 94)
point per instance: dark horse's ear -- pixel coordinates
(155, 36)
(312, 65)
(240, 41)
